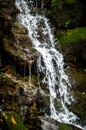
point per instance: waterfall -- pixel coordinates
(50, 61)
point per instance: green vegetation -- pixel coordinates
(14, 121)
(64, 127)
(73, 36)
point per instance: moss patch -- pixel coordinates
(74, 36)
(64, 127)
(14, 121)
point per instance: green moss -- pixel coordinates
(14, 121)
(74, 36)
(64, 127)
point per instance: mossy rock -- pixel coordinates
(14, 121)
(64, 127)
(20, 35)
(71, 37)
(72, 43)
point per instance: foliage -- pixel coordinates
(73, 36)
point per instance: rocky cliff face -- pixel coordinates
(14, 39)
(15, 63)
(20, 101)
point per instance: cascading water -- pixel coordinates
(50, 61)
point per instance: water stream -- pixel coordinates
(50, 61)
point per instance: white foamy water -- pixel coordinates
(50, 61)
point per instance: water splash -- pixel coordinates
(50, 61)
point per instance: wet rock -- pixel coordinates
(41, 4)
(43, 103)
(14, 51)
(14, 39)
(15, 93)
(19, 96)
(51, 124)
